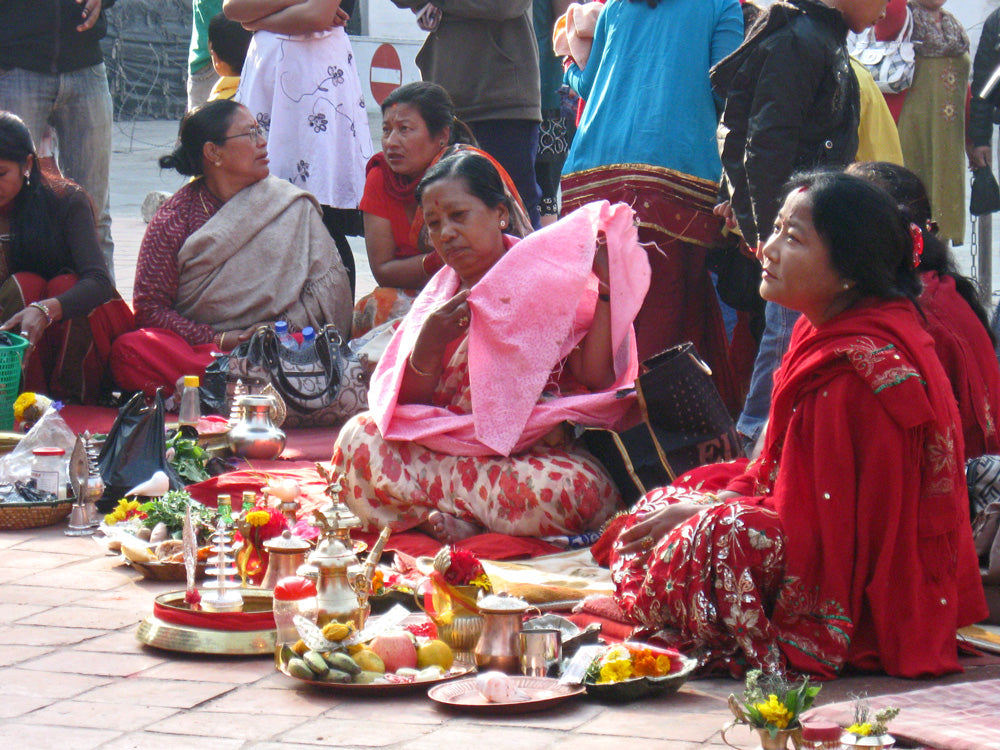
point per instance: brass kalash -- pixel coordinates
(343, 584)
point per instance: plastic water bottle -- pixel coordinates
(190, 411)
(308, 336)
(286, 339)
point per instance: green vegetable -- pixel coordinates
(189, 458)
(170, 510)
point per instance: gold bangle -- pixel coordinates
(421, 373)
(44, 310)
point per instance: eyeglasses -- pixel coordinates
(255, 133)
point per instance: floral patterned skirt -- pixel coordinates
(549, 489)
(709, 586)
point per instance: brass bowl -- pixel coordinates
(176, 637)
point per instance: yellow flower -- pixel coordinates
(861, 730)
(616, 670)
(258, 517)
(25, 401)
(122, 512)
(774, 712)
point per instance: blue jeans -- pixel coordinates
(78, 107)
(778, 322)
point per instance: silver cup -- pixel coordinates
(541, 649)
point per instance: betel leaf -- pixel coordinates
(189, 458)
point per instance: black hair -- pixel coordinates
(35, 234)
(206, 124)
(435, 107)
(480, 176)
(909, 192)
(229, 40)
(867, 232)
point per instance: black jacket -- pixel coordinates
(792, 103)
(41, 35)
(982, 113)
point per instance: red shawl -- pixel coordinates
(864, 464)
(965, 350)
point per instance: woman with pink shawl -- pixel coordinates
(510, 340)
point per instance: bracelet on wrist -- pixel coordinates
(44, 310)
(417, 370)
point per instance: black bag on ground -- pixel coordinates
(134, 450)
(684, 424)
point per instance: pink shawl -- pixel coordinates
(528, 312)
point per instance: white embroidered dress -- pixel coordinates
(305, 92)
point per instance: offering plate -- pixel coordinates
(174, 626)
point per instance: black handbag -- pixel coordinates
(321, 383)
(134, 450)
(985, 194)
(737, 277)
(684, 424)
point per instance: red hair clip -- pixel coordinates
(918, 243)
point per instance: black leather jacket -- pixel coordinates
(982, 113)
(792, 103)
(41, 35)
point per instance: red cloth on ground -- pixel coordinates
(965, 350)
(863, 463)
(71, 359)
(150, 358)
(241, 621)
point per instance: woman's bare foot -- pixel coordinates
(449, 529)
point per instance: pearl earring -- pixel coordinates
(27, 179)
(503, 223)
(218, 163)
(846, 285)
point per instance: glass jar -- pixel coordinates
(48, 469)
(293, 595)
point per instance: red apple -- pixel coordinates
(396, 650)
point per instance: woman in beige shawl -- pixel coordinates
(231, 250)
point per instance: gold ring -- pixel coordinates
(646, 543)
(463, 321)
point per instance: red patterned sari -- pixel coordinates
(855, 513)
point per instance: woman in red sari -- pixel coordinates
(856, 511)
(952, 314)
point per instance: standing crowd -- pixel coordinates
(571, 189)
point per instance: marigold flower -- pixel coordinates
(258, 517)
(616, 671)
(25, 401)
(650, 664)
(774, 712)
(861, 730)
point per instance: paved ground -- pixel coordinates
(73, 675)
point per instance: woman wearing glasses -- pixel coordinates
(231, 250)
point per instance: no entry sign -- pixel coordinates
(386, 72)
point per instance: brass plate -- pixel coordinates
(172, 637)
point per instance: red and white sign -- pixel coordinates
(386, 72)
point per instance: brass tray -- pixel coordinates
(186, 639)
(167, 571)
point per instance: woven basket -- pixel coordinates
(33, 515)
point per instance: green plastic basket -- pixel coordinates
(10, 378)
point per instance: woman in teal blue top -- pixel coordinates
(647, 137)
(646, 85)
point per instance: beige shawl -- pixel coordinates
(264, 256)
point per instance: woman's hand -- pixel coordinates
(725, 211)
(653, 526)
(448, 321)
(29, 322)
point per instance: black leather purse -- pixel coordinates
(684, 424)
(985, 193)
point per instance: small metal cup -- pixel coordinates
(540, 650)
